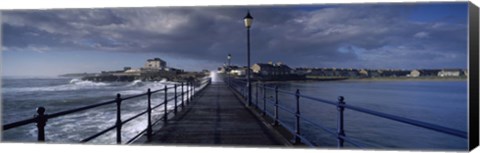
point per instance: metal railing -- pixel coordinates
(240, 86)
(185, 96)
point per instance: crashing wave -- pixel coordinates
(87, 83)
(136, 83)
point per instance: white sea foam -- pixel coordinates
(136, 83)
(74, 84)
(132, 92)
(87, 83)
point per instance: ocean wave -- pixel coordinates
(87, 83)
(74, 84)
(131, 92)
(136, 83)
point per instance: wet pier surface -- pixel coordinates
(216, 117)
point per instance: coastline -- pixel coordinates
(410, 79)
(379, 79)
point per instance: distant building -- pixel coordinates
(238, 71)
(449, 73)
(363, 73)
(155, 63)
(174, 70)
(414, 73)
(375, 73)
(302, 71)
(271, 69)
(429, 72)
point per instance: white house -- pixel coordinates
(155, 63)
(449, 73)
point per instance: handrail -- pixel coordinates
(341, 105)
(42, 118)
(33, 120)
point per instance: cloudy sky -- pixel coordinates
(399, 36)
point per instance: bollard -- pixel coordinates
(276, 106)
(149, 113)
(118, 123)
(165, 114)
(182, 97)
(175, 93)
(41, 120)
(296, 140)
(264, 100)
(340, 131)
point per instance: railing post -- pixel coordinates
(340, 131)
(276, 106)
(256, 94)
(186, 91)
(118, 123)
(165, 114)
(297, 118)
(183, 101)
(175, 92)
(41, 120)
(193, 89)
(149, 112)
(190, 92)
(264, 99)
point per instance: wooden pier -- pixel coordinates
(216, 117)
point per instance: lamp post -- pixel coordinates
(248, 23)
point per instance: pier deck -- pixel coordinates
(216, 117)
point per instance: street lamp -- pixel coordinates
(248, 23)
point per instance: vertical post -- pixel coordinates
(256, 94)
(249, 85)
(165, 114)
(149, 113)
(297, 118)
(340, 131)
(183, 105)
(191, 90)
(276, 106)
(41, 120)
(194, 89)
(175, 92)
(187, 92)
(118, 123)
(264, 100)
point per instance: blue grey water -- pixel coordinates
(438, 102)
(442, 103)
(21, 96)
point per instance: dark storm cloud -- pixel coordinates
(372, 36)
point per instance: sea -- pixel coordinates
(439, 102)
(22, 95)
(442, 103)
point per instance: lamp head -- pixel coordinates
(248, 20)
